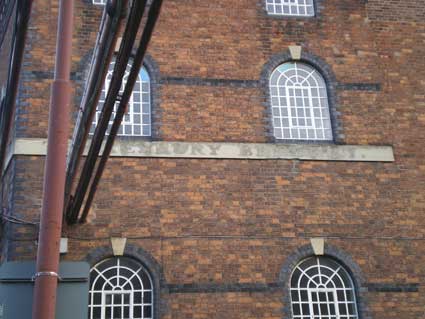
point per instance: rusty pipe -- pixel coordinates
(46, 277)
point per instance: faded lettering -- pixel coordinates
(180, 148)
(147, 148)
(245, 150)
(162, 149)
(214, 148)
(133, 150)
(197, 149)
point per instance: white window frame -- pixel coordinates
(120, 293)
(112, 287)
(295, 8)
(307, 285)
(314, 302)
(134, 123)
(299, 103)
(99, 2)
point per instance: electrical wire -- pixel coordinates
(16, 220)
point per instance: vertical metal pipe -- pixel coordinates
(46, 277)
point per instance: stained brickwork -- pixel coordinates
(218, 234)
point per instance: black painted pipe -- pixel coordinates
(125, 98)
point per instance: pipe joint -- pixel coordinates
(45, 273)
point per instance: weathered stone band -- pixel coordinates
(254, 151)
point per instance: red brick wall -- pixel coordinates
(237, 221)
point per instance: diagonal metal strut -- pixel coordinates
(124, 100)
(113, 98)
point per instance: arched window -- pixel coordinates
(120, 288)
(137, 120)
(299, 101)
(322, 288)
(301, 8)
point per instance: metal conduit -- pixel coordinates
(133, 23)
(132, 78)
(47, 267)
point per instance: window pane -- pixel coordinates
(308, 109)
(322, 288)
(140, 102)
(302, 8)
(129, 281)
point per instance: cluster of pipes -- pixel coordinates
(66, 187)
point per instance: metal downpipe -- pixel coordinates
(46, 277)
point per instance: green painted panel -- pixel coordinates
(16, 288)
